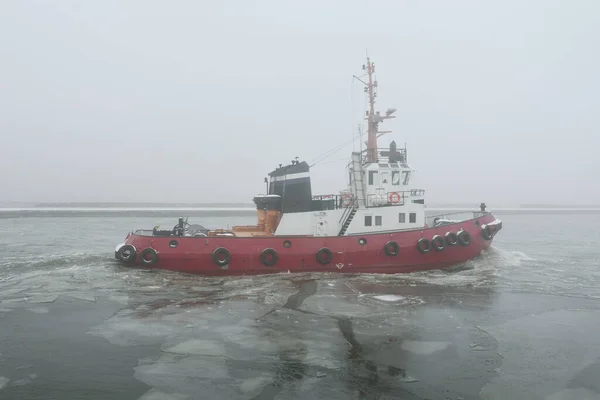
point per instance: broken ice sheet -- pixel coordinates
(42, 299)
(389, 297)
(155, 394)
(423, 347)
(198, 347)
(84, 297)
(39, 310)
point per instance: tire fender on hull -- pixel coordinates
(438, 243)
(464, 238)
(149, 256)
(221, 256)
(126, 253)
(392, 248)
(424, 245)
(486, 232)
(324, 256)
(451, 239)
(269, 257)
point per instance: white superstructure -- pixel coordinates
(379, 196)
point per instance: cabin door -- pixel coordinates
(321, 220)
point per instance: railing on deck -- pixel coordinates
(348, 210)
(386, 156)
(451, 217)
(336, 201)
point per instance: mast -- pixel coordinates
(372, 130)
(373, 118)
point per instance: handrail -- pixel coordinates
(383, 156)
(348, 210)
(448, 217)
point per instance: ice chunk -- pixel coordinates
(253, 384)
(120, 299)
(192, 374)
(574, 394)
(389, 297)
(535, 363)
(155, 394)
(42, 299)
(422, 347)
(5, 309)
(39, 310)
(3, 381)
(197, 346)
(83, 297)
(22, 382)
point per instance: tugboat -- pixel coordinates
(377, 224)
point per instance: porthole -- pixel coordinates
(287, 244)
(173, 243)
(362, 241)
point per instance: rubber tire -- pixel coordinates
(487, 233)
(392, 249)
(320, 254)
(438, 243)
(464, 238)
(216, 258)
(132, 254)
(151, 251)
(427, 247)
(269, 262)
(453, 241)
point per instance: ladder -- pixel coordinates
(357, 180)
(348, 220)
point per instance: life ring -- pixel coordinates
(487, 233)
(149, 252)
(464, 238)
(269, 257)
(392, 248)
(395, 198)
(126, 253)
(346, 199)
(324, 256)
(451, 239)
(438, 243)
(424, 245)
(221, 256)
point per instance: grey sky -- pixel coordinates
(197, 101)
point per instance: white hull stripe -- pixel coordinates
(290, 177)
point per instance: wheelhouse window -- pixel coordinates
(368, 220)
(395, 177)
(405, 177)
(378, 220)
(402, 218)
(385, 177)
(412, 218)
(372, 177)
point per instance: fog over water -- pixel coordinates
(149, 101)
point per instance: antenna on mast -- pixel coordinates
(373, 118)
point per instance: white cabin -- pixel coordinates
(379, 196)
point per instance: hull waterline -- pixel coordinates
(223, 256)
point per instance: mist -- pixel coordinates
(150, 101)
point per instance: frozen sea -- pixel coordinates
(520, 322)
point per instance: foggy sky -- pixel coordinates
(196, 101)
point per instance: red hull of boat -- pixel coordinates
(195, 254)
